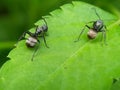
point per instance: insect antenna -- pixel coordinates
(44, 21)
(96, 13)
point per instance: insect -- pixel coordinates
(98, 26)
(32, 40)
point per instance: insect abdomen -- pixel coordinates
(92, 34)
(31, 42)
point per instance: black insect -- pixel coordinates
(32, 40)
(98, 26)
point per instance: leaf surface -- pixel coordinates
(66, 65)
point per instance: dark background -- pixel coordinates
(17, 16)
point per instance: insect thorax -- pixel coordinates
(98, 25)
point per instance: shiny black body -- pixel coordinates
(98, 25)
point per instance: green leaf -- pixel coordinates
(66, 65)
(116, 85)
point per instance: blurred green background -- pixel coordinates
(17, 16)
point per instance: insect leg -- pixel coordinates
(20, 38)
(23, 36)
(105, 28)
(45, 40)
(35, 50)
(104, 36)
(82, 32)
(36, 28)
(29, 33)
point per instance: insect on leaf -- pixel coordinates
(66, 65)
